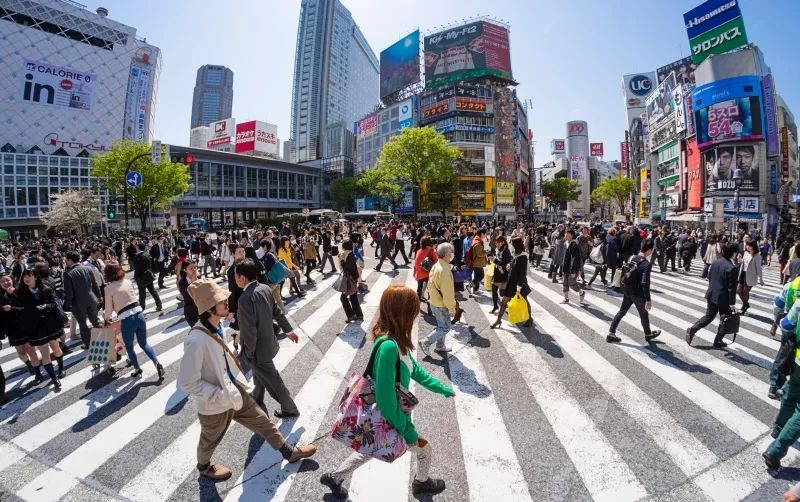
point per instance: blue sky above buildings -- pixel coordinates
(568, 56)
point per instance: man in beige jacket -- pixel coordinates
(442, 300)
(212, 376)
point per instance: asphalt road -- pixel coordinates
(551, 412)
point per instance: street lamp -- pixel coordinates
(737, 181)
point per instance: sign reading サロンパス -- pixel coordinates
(714, 27)
(46, 84)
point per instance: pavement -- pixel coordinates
(550, 412)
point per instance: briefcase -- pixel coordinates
(729, 326)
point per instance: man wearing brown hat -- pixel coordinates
(211, 374)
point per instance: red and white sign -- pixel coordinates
(220, 133)
(623, 154)
(256, 136)
(596, 149)
(218, 142)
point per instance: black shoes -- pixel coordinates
(720, 344)
(136, 373)
(653, 334)
(613, 338)
(430, 485)
(160, 370)
(772, 462)
(337, 487)
(689, 335)
(281, 414)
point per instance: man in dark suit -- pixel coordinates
(720, 295)
(143, 275)
(571, 266)
(259, 344)
(160, 256)
(81, 292)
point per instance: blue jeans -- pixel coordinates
(443, 326)
(135, 325)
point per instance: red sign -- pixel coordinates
(623, 154)
(558, 145)
(694, 176)
(246, 136)
(471, 105)
(575, 127)
(437, 109)
(596, 149)
(219, 141)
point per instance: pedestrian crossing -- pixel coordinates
(551, 412)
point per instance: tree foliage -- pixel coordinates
(344, 191)
(418, 154)
(72, 210)
(161, 183)
(380, 182)
(559, 190)
(616, 190)
(442, 194)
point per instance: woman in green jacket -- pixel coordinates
(399, 309)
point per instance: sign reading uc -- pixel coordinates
(641, 85)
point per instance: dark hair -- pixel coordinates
(113, 273)
(284, 240)
(43, 269)
(265, 242)
(247, 268)
(570, 232)
(647, 245)
(347, 245)
(518, 243)
(35, 274)
(250, 252)
(183, 252)
(729, 249)
(73, 256)
(186, 263)
(425, 242)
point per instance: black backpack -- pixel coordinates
(786, 356)
(630, 272)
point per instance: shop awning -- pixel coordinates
(685, 217)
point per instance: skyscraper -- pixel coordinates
(213, 95)
(335, 81)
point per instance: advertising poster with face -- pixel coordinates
(724, 164)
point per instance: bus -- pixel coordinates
(370, 216)
(318, 216)
(194, 225)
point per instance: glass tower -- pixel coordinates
(213, 95)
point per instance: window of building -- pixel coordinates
(202, 179)
(282, 188)
(215, 179)
(273, 184)
(292, 186)
(262, 184)
(227, 178)
(240, 181)
(252, 182)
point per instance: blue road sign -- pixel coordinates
(133, 179)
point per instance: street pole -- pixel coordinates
(736, 228)
(125, 184)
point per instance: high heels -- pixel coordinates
(496, 324)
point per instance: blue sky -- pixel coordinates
(568, 55)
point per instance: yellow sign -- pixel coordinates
(505, 192)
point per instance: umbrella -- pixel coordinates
(4, 235)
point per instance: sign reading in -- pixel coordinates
(45, 84)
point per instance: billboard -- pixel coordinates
(400, 64)
(770, 117)
(728, 110)
(136, 103)
(710, 15)
(683, 68)
(623, 155)
(505, 192)
(478, 49)
(725, 163)
(504, 134)
(596, 149)
(659, 104)
(557, 146)
(724, 38)
(49, 85)
(694, 176)
(367, 126)
(257, 136)
(577, 169)
(637, 86)
(680, 109)
(644, 193)
(220, 132)
(406, 114)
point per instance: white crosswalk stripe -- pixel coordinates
(706, 411)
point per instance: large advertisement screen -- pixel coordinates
(728, 110)
(400, 64)
(683, 68)
(46, 84)
(367, 126)
(659, 104)
(478, 49)
(725, 163)
(694, 176)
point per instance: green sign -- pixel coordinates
(723, 38)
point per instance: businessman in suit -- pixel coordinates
(259, 344)
(143, 275)
(81, 292)
(720, 295)
(160, 256)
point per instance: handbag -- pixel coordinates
(427, 263)
(102, 346)
(360, 424)
(729, 325)
(517, 310)
(597, 254)
(334, 250)
(464, 275)
(487, 279)
(340, 284)
(616, 281)
(278, 273)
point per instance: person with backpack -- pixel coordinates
(688, 252)
(571, 266)
(423, 263)
(636, 287)
(475, 258)
(597, 257)
(386, 247)
(720, 295)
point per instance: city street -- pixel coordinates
(551, 412)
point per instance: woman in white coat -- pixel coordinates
(749, 273)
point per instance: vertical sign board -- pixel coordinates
(770, 118)
(406, 114)
(596, 149)
(155, 152)
(680, 110)
(623, 154)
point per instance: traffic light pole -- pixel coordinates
(125, 184)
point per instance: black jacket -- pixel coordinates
(142, 268)
(502, 258)
(722, 282)
(33, 320)
(639, 285)
(189, 307)
(518, 277)
(572, 258)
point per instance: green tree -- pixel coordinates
(442, 194)
(559, 190)
(617, 190)
(381, 183)
(344, 191)
(161, 183)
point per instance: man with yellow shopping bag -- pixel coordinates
(635, 279)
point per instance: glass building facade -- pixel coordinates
(213, 95)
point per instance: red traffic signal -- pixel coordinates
(183, 159)
(188, 159)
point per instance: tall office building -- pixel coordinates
(335, 81)
(213, 95)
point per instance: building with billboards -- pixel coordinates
(76, 82)
(375, 129)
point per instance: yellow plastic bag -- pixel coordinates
(517, 310)
(487, 278)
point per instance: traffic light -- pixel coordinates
(183, 159)
(111, 213)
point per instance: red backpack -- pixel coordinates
(468, 255)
